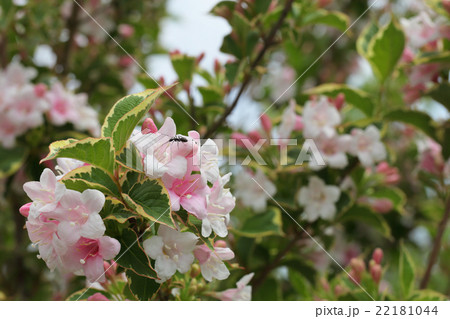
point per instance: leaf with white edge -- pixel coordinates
(385, 49)
(150, 199)
(142, 287)
(362, 213)
(126, 114)
(11, 160)
(91, 177)
(362, 43)
(418, 119)
(114, 209)
(433, 57)
(130, 158)
(132, 255)
(96, 151)
(359, 99)
(333, 19)
(406, 272)
(260, 225)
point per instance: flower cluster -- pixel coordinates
(190, 173)
(24, 104)
(67, 227)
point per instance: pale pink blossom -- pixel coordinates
(423, 73)
(243, 292)
(431, 159)
(288, 121)
(16, 75)
(420, 30)
(219, 203)
(367, 146)
(163, 156)
(172, 250)
(66, 165)
(333, 150)
(318, 199)
(390, 173)
(80, 215)
(254, 194)
(63, 105)
(211, 261)
(87, 255)
(320, 116)
(189, 191)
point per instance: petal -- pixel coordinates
(196, 205)
(165, 267)
(94, 270)
(69, 232)
(94, 227)
(93, 200)
(109, 247)
(153, 246)
(224, 253)
(177, 167)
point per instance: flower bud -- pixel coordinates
(149, 126)
(239, 138)
(298, 123)
(377, 255)
(25, 210)
(382, 205)
(338, 290)
(199, 58)
(266, 123)
(357, 265)
(254, 136)
(97, 297)
(375, 272)
(220, 243)
(125, 61)
(195, 270)
(339, 101)
(217, 66)
(125, 30)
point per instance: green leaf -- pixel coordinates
(301, 285)
(261, 6)
(406, 272)
(355, 97)
(395, 195)
(365, 215)
(11, 160)
(143, 288)
(184, 66)
(418, 119)
(264, 224)
(126, 114)
(362, 43)
(91, 177)
(132, 255)
(114, 209)
(441, 94)
(433, 57)
(385, 49)
(150, 199)
(211, 94)
(130, 158)
(333, 19)
(96, 151)
(428, 295)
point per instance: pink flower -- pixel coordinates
(98, 297)
(420, 30)
(189, 191)
(320, 117)
(149, 126)
(219, 203)
(25, 209)
(423, 73)
(211, 263)
(63, 105)
(87, 255)
(46, 193)
(391, 175)
(172, 251)
(333, 150)
(243, 292)
(80, 215)
(161, 155)
(431, 159)
(366, 145)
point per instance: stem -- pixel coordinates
(436, 246)
(3, 53)
(274, 264)
(71, 25)
(268, 42)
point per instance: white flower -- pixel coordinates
(243, 292)
(66, 165)
(209, 160)
(254, 190)
(172, 251)
(211, 263)
(320, 116)
(288, 120)
(220, 202)
(332, 150)
(420, 30)
(366, 145)
(318, 199)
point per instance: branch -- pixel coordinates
(71, 25)
(436, 246)
(268, 42)
(274, 264)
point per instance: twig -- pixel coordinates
(268, 41)
(274, 264)
(3, 53)
(436, 246)
(71, 25)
